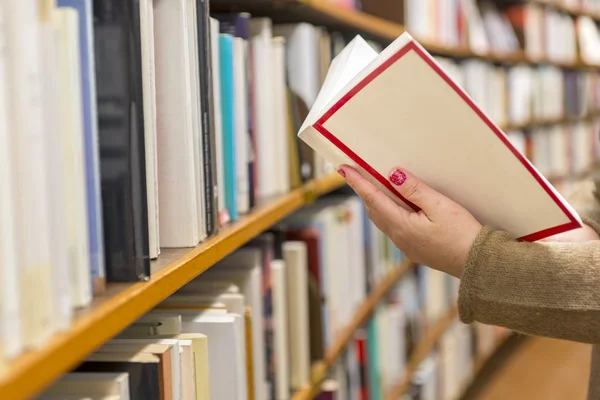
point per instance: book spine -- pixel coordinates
(227, 107)
(124, 194)
(208, 128)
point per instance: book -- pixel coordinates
(367, 98)
(205, 65)
(179, 149)
(91, 384)
(119, 87)
(150, 138)
(90, 138)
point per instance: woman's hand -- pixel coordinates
(439, 236)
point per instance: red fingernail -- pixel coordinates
(398, 177)
(341, 172)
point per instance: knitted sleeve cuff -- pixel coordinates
(467, 287)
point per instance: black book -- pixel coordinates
(143, 370)
(121, 139)
(208, 123)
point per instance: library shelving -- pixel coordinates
(323, 12)
(364, 311)
(124, 303)
(569, 9)
(427, 344)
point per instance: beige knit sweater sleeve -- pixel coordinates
(550, 289)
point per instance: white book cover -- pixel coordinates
(280, 331)
(177, 193)
(67, 22)
(244, 268)
(280, 114)
(32, 208)
(296, 261)
(242, 137)
(193, 69)
(62, 304)
(264, 103)
(188, 386)
(150, 139)
(218, 118)
(10, 322)
(224, 353)
(375, 112)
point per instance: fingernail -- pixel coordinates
(398, 177)
(341, 172)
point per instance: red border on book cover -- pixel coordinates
(413, 46)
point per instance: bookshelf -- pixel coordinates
(124, 303)
(425, 347)
(571, 10)
(320, 369)
(323, 12)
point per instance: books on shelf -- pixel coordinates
(368, 96)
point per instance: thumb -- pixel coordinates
(415, 191)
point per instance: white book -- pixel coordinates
(264, 104)
(367, 96)
(62, 304)
(296, 262)
(177, 192)
(218, 118)
(93, 384)
(193, 69)
(280, 331)
(224, 353)
(280, 113)
(32, 208)
(150, 133)
(242, 137)
(244, 268)
(188, 372)
(67, 22)
(10, 323)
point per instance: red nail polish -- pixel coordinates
(398, 177)
(341, 172)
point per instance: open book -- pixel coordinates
(400, 109)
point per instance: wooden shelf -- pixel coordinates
(423, 349)
(124, 303)
(364, 311)
(327, 13)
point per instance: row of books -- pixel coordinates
(252, 326)
(544, 33)
(560, 150)
(590, 6)
(518, 95)
(111, 149)
(256, 320)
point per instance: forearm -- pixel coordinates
(542, 289)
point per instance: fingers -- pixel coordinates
(375, 200)
(415, 191)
